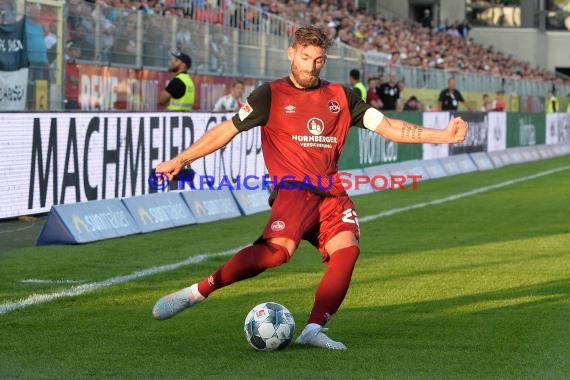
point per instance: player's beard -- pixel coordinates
(305, 79)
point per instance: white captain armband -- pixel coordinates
(372, 119)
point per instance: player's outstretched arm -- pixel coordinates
(211, 141)
(401, 131)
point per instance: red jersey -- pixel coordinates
(303, 130)
(499, 105)
(72, 81)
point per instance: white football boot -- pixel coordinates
(316, 337)
(172, 304)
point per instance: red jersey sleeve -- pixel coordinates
(357, 107)
(255, 111)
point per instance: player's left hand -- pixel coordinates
(457, 130)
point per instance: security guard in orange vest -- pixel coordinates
(179, 94)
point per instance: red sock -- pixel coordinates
(248, 262)
(334, 284)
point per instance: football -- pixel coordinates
(269, 326)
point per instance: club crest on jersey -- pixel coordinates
(244, 111)
(278, 225)
(315, 126)
(334, 106)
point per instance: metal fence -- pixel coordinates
(234, 39)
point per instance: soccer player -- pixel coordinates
(304, 122)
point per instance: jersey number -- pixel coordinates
(349, 216)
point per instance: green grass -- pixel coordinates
(476, 288)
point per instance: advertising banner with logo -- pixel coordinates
(364, 148)
(557, 128)
(86, 222)
(458, 164)
(477, 139)
(434, 168)
(497, 131)
(60, 158)
(210, 205)
(154, 212)
(13, 66)
(482, 160)
(525, 129)
(253, 200)
(106, 88)
(437, 120)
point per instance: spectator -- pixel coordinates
(179, 94)
(72, 54)
(413, 104)
(125, 46)
(401, 85)
(499, 103)
(463, 28)
(156, 49)
(85, 39)
(551, 102)
(450, 98)
(372, 97)
(356, 84)
(427, 20)
(36, 43)
(487, 104)
(232, 101)
(51, 41)
(219, 48)
(394, 59)
(36, 49)
(389, 93)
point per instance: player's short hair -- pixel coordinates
(311, 36)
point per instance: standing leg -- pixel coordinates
(334, 285)
(329, 296)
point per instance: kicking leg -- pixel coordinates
(248, 262)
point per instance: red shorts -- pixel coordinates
(299, 214)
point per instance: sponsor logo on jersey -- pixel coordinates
(289, 109)
(334, 106)
(315, 126)
(244, 111)
(278, 225)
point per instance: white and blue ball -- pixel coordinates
(269, 326)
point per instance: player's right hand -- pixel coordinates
(170, 168)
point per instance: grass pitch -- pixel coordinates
(472, 288)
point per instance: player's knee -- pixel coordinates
(271, 255)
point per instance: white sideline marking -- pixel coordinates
(40, 281)
(35, 299)
(461, 195)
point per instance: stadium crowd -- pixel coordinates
(430, 43)
(440, 44)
